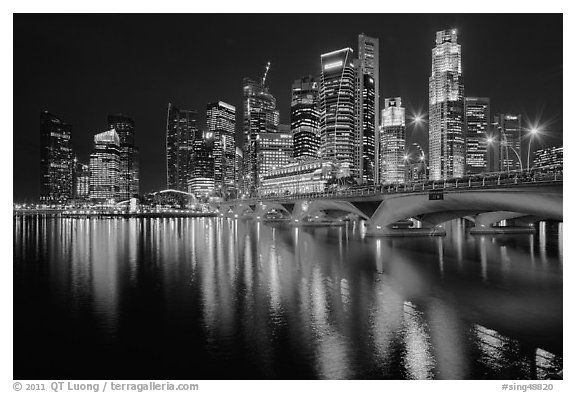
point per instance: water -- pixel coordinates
(211, 298)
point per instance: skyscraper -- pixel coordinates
(506, 135)
(221, 121)
(260, 116)
(305, 118)
(337, 108)
(181, 127)
(105, 167)
(477, 110)
(447, 150)
(201, 180)
(129, 157)
(368, 80)
(393, 142)
(548, 157)
(81, 181)
(56, 159)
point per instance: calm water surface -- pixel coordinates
(211, 298)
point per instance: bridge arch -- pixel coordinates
(308, 208)
(540, 200)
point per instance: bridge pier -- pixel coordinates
(485, 223)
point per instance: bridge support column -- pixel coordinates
(484, 223)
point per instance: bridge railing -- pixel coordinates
(546, 175)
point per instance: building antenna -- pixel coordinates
(265, 73)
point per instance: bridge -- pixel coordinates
(526, 196)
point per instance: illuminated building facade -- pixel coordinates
(393, 142)
(299, 177)
(260, 116)
(56, 159)
(181, 127)
(337, 108)
(275, 150)
(506, 138)
(81, 181)
(201, 181)
(105, 167)
(477, 123)
(129, 155)
(221, 121)
(367, 116)
(447, 150)
(548, 157)
(305, 118)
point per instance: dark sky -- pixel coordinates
(84, 67)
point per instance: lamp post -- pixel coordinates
(490, 140)
(533, 132)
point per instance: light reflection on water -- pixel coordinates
(216, 298)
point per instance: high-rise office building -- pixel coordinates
(260, 116)
(56, 159)
(221, 121)
(105, 167)
(447, 150)
(338, 93)
(305, 118)
(81, 181)
(201, 182)
(275, 151)
(238, 172)
(548, 157)
(506, 149)
(129, 155)
(393, 142)
(476, 125)
(181, 128)
(368, 81)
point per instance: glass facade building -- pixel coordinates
(81, 181)
(393, 142)
(129, 155)
(105, 167)
(56, 159)
(477, 125)
(221, 122)
(548, 157)
(181, 128)
(275, 151)
(506, 151)
(368, 82)
(260, 116)
(201, 181)
(447, 150)
(305, 118)
(338, 91)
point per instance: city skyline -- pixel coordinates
(152, 166)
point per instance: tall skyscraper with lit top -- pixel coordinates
(221, 121)
(367, 118)
(56, 159)
(105, 167)
(305, 118)
(129, 155)
(447, 150)
(338, 97)
(393, 142)
(181, 128)
(260, 116)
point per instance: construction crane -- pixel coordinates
(265, 73)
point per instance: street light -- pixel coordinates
(533, 132)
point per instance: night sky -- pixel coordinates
(84, 67)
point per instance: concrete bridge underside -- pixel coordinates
(484, 207)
